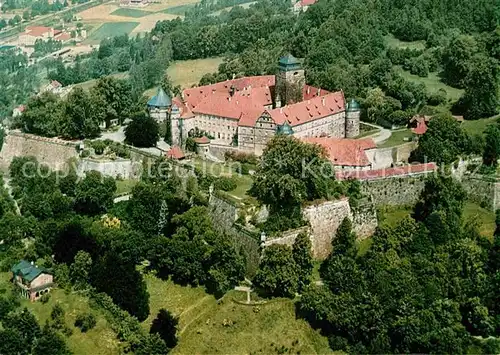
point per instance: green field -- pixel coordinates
(478, 126)
(397, 138)
(433, 83)
(111, 29)
(124, 186)
(472, 213)
(130, 13)
(178, 10)
(392, 41)
(99, 340)
(264, 329)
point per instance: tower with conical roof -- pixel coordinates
(290, 80)
(352, 118)
(159, 106)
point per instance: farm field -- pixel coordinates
(135, 13)
(178, 10)
(249, 329)
(111, 29)
(99, 340)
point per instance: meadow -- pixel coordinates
(227, 327)
(135, 13)
(111, 29)
(187, 73)
(472, 213)
(397, 137)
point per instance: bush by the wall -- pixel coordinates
(225, 183)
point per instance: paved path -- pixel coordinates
(122, 198)
(379, 137)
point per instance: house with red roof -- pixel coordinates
(33, 33)
(249, 111)
(54, 87)
(302, 5)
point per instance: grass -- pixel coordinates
(183, 301)
(472, 213)
(187, 73)
(111, 29)
(364, 245)
(478, 126)
(433, 83)
(366, 130)
(178, 10)
(392, 41)
(86, 85)
(99, 340)
(130, 13)
(124, 186)
(397, 138)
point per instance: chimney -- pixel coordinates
(323, 101)
(229, 98)
(281, 109)
(308, 90)
(319, 91)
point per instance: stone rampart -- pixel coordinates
(120, 168)
(53, 152)
(483, 190)
(324, 218)
(394, 191)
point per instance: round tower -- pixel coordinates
(352, 116)
(159, 106)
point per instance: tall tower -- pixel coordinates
(290, 80)
(160, 108)
(352, 116)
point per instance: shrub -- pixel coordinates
(99, 146)
(45, 298)
(225, 183)
(85, 321)
(437, 98)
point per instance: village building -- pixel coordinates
(134, 3)
(302, 5)
(33, 33)
(246, 113)
(32, 281)
(18, 111)
(54, 87)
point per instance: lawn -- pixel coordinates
(478, 126)
(111, 29)
(397, 137)
(178, 10)
(130, 13)
(433, 83)
(392, 41)
(99, 340)
(187, 73)
(365, 130)
(124, 186)
(86, 85)
(472, 213)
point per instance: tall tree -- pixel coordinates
(277, 274)
(165, 325)
(491, 151)
(481, 96)
(94, 194)
(302, 255)
(142, 131)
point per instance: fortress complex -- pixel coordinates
(246, 113)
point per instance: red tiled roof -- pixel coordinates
(64, 36)
(345, 152)
(223, 105)
(37, 31)
(55, 84)
(421, 128)
(309, 110)
(310, 92)
(307, 2)
(195, 95)
(175, 153)
(202, 140)
(385, 173)
(184, 110)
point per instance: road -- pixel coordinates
(381, 136)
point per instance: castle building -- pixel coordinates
(246, 113)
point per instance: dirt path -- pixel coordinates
(205, 310)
